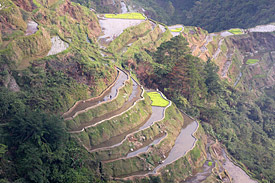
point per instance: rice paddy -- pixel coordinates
(136, 16)
(236, 31)
(176, 29)
(252, 61)
(157, 99)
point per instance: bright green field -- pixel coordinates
(252, 61)
(236, 31)
(137, 16)
(210, 163)
(176, 29)
(157, 99)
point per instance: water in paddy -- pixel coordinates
(157, 114)
(135, 95)
(108, 95)
(183, 143)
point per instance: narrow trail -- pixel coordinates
(134, 97)
(109, 94)
(158, 114)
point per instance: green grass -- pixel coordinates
(236, 31)
(210, 163)
(37, 4)
(137, 16)
(252, 61)
(176, 29)
(157, 99)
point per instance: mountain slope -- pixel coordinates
(74, 109)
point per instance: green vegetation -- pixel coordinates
(157, 99)
(236, 31)
(34, 146)
(176, 29)
(213, 16)
(136, 16)
(118, 125)
(242, 122)
(172, 124)
(210, 163)
(252, 61)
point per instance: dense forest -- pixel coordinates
(211, 15)
(243, 124)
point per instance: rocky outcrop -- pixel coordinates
(7, 80)
(57, 46)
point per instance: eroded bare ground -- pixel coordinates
(226, 170)
(32, 27)
(112, 28)
(58, 45)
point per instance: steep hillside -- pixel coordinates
(92, 97)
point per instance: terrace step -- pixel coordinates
(109, 94)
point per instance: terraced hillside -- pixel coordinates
(59, 58)
(106, 111)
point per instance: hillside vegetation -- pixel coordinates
(213, 16)
(69, 117)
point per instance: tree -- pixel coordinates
(212, 78)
